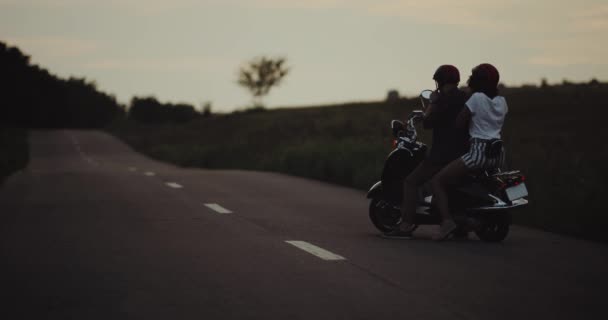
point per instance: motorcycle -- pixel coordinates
(481, 204)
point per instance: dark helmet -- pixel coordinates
(447, 74)
(486, 75)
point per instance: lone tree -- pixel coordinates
(260, 75)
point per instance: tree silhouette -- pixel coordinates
(207, 109)
(32, 97)
(260, 75)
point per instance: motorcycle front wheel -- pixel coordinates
(383, 215)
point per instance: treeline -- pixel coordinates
(34, 98)
(31, 97)
(150, 110)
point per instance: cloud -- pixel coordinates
(442, 12)
(295, 4)
(137, 7)
(55, 46)
(557, 60)
(591, 19)
(42, 3)
(575, 37)
(465, 12)
(568, 51)
(568, 58)
(172, 64)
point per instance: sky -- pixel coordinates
(337, 50)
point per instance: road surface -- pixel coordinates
(94, 230)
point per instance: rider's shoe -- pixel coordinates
(404, 231)
(446, 230)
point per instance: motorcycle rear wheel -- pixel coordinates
(494, 227)
(383, 216)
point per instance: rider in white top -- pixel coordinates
(487, 115)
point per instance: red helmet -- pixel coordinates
(487, 74)
(447, 74)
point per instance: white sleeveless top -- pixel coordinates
(488, 115)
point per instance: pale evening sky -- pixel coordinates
(339, 50)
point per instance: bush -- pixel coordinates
(149, 110)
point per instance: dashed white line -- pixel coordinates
(174, 185)
(91, 161)
(316, 251)
(82, 154)
(150, 174)
(217, 208)
(132, 169)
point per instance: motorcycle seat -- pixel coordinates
(494, 148)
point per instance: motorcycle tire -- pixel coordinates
(494, 227)
(461, 233)
(383, 217)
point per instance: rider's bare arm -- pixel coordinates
(429, 116)
(463, 118)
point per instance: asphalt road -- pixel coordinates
(93, 230)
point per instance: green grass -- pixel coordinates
(555, 135)
(13, 151)
(344, 144)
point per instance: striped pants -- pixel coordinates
(476, 157)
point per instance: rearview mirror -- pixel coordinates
(426, 94)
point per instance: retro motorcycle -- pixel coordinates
(481, 204)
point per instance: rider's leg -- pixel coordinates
(450, 175)
(416, 178)
(423, 173)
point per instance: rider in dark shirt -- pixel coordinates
(449, 143)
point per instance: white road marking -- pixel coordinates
(80, 152)
(217, 208)
(150, 174)
(316, 251)
(132, 169)
(91, 161)
(174, 185)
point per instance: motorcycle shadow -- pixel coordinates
(426, 234)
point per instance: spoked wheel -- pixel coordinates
(383, 215)
(494, 227)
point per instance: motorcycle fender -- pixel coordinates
(399, 164)
(375, 191)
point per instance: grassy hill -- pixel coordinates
(555, 134)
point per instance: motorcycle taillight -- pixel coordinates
(395, 143)
(514, 180)
(509, 179)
